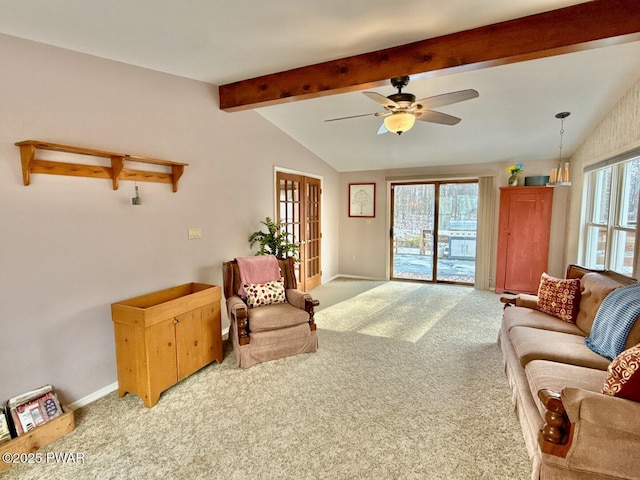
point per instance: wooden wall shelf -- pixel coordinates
(116, 172)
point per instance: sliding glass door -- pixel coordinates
(433, 231)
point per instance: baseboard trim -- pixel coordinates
(357, 277)
(92, 397)
(98, 394)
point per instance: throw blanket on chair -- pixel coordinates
(259, 269)
(614, 319)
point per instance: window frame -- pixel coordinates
(615, 227)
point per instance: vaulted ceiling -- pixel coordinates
(312, 52)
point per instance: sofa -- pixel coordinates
(571, 427)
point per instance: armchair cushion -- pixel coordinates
(276, 316)
(260, 294)
(559, 297)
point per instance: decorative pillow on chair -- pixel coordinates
(623, 375)
(259, 294)
(559, 297)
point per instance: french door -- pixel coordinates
(298, 209)
(433, 231)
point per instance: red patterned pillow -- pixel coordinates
(259, 294)
(623, 375)
(559, 297)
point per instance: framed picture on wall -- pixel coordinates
(362, 199)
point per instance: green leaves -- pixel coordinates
(275, 241)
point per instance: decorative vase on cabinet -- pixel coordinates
(165, 336)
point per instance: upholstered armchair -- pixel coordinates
(267, 332)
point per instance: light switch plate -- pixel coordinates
(194, 233)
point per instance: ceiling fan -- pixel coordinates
(402, 109)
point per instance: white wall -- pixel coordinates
(72, 246)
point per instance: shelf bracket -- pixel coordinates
(176, 173)
(27, 155)
(117, 164)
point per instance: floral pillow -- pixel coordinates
(260, 294)
(559, 297)
(623, 375)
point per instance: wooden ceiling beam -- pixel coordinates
(584, 26)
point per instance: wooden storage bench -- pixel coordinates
(165, 336)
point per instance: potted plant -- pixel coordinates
(275, 241)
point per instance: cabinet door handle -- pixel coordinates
(175, 320)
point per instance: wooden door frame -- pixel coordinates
(302, 265)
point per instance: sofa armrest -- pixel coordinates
(599, 409)
(303, 301)
(521, 300)
(579, 423)
(556, 433)
(527, 301)
(237, 311)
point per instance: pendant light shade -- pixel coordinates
(399, 122)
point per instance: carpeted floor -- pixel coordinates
(407, 384)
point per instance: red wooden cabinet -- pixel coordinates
(523, 238)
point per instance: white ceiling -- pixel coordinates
(220, 42)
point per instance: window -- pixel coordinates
(611, 221)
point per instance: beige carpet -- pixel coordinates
(407, 384)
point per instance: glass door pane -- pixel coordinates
(457, 226)
(413, 248)
(313, 273)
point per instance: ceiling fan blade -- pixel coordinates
(352, 116)
(382, 100)
(436, 117)
(382, 129)
(446, 99)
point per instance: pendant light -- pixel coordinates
(560, 175)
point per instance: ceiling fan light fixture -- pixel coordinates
(399, 122)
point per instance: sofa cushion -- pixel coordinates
(526, 317)
(595, 287)
(556, 376)
(537, 344)
(271, 317)
(623, 375)
(559, 297)
(260, 294)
